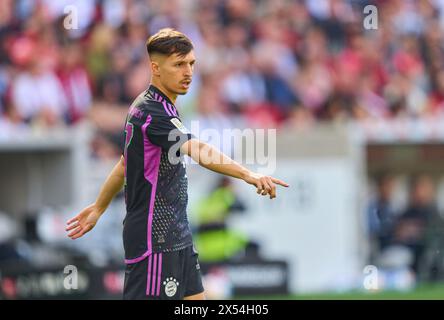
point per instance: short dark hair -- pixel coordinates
(168, 41)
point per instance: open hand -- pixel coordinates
(83, 222)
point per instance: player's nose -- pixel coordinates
(188, 71)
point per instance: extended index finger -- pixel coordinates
(280, 182)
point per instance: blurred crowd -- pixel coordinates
(271, 63)
(407, 233)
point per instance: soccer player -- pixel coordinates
(161, 262)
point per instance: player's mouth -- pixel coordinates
(185, 84)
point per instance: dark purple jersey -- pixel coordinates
(155, 178)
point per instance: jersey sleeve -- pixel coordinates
(167, 131)
(125, 135)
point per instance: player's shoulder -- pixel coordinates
(143, 107)
(136, 112)
(155, 105)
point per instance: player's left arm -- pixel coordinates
(88, 217)
(214, 160)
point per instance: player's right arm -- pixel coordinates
(214, 160)
(88, 217)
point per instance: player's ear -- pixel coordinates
(157, 60)
(155, 68)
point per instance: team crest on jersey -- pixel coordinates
(170, 285)
(179, 125)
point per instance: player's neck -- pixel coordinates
(165, 92)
